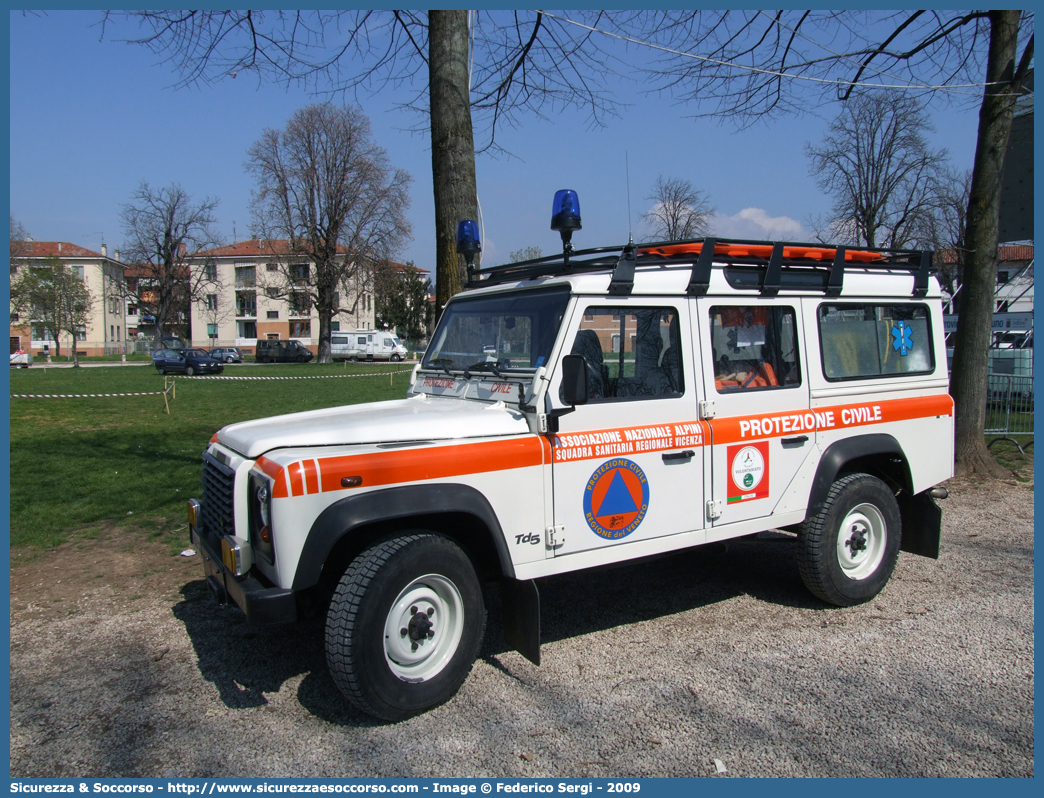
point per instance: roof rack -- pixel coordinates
(768, 266)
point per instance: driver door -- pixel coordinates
(628, 465)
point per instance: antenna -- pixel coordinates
(627, 170)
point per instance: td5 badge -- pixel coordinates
(748, 471)
(616, 498)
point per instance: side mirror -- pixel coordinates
(574, 380)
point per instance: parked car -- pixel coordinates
(282, 352)
(189, 362)
(228, 354)
(21, 359)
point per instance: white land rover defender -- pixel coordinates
(585, 409)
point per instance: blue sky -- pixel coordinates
(92, 118)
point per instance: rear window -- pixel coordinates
(865, 341)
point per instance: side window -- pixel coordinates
(860, 341)
(631, 352)
(755, 348)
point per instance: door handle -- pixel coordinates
(670, 457)
(800, 439)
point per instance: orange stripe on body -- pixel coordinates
(438, 462)
(275, 471)
(296, 479)
(857, 414)
(311, 477)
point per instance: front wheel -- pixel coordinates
(848, 550)
(190, 372)
(405, 625)
(395, 358)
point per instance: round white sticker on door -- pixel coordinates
(748, 467)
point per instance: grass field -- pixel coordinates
(80, 464)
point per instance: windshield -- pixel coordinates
(508, 330)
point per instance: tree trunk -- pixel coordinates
(452, 145)
(971, 350)
(323, 349)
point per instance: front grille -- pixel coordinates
(218, 490)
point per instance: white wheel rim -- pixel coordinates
(861, 541)
(423, 652)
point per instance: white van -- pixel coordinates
(366, 345)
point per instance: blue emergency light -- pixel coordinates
(565, 213)
(565, 218)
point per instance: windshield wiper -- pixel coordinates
(484, 365)
(438, 364)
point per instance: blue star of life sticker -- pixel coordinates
(902, 338)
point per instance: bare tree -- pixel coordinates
(878, 167)
(19, 243)
(164, 230)
(54, 293)
(749, 65)
(491, 67)
(325, 186)
(680, 210)
(949, 228)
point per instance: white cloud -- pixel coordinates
(757, 224)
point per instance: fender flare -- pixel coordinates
(841, 452)
(344, 515)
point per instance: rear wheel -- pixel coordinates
(405, 625)
(230, 359)
(353, 359)
(848, 550)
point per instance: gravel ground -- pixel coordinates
(653, 669)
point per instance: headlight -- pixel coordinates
(261, 517)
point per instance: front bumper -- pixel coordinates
(263, 606)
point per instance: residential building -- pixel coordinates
(109, 326)
(247, 292)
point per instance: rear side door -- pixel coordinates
(628, 466)
(761, 429)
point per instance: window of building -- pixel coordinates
(300, 329)
(652, 368)
(212, 302)
(212, 331)
(14, 317)
(335, 326)
(754, 348)
(81, 331)
(245, 277)
(272, 267)
(859, 341)
(132, 310)
(272, 292)
(272, 314)
(299, 305)
(210, 272)
(300, 272)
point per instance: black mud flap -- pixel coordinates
(922, 524)
(521, 609)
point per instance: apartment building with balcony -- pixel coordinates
(110, 329)
(247, 291)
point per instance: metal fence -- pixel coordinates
(1009, 409)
